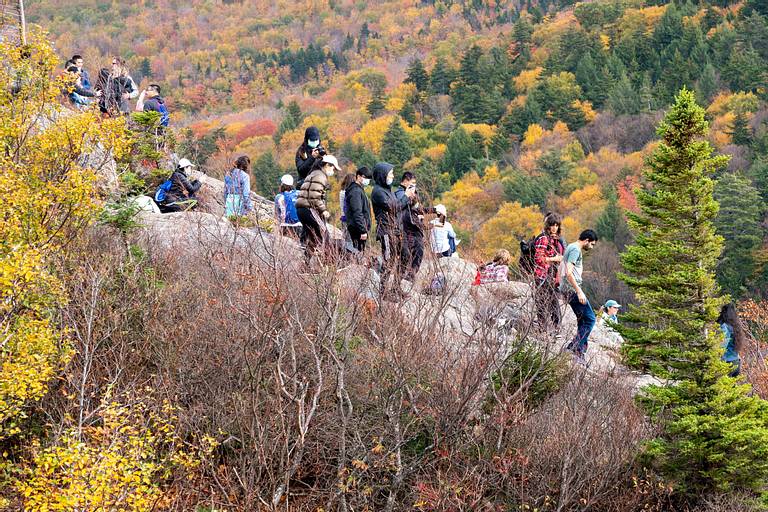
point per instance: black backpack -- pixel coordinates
(527, 254)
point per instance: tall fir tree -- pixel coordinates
(376, 105)
(441, 77)
(417, 75)
(671, 264)
(396, 146)
(459, 153)
(739, 130)
(738, 222)
(713, 436)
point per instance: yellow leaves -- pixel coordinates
(120, 465)
(399, 96)
(605, 39)
(738, 102)
(371, 134)
(435, 153)
(586, 107)
(533, 134)
(486, 130)
(527, 79)
(505, 229)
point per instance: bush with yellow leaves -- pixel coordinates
(124, 462)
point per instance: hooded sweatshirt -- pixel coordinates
(386, 206)
(358, 210)
(304, 158)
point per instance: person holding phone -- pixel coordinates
(412, 222)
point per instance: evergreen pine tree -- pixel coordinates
(441, 77)
(376, 105)
(706, 86)
(738, 222)
(623, 100)
(739, 131)
(408, 113)
(396, 145)
(459, 153)
(417, 75)
(713, 435)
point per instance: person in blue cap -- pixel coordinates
(609, 311)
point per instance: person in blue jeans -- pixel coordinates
(573, 269)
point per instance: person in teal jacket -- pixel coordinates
(732, 333)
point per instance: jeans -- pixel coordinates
(585, 321)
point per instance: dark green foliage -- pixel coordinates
(517, 121)
(291, 120)
(396, 147)
(738, 222)
(537, 373)
(528, 190)
(746, 70)
(740, 131)
(441, 77)
(417, 75)
(556, 95)
(200, 149)
(460, 153)
(553, 165)
(623, 99)
(408, 113)
(376, 105)
(477, 94)
(706, 86)
(431, 181)
(358, 154)
(611, 219)
(713, 435)
(266, 175)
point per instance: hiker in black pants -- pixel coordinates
(412, 222)
(358, 208)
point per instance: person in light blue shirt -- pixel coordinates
(237, 189)
(732, 333)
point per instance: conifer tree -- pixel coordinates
(376, 105)
(739, 130)
(713, 435)
(738, 222)
(417, 75)
(441, 77)
(460, 151)
(671, 264)
(396, 145)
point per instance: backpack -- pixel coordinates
(291, 217)
(527, 260)
(162, 190)
(436, 285)
(165, 117)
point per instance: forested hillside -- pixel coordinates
(503, 109)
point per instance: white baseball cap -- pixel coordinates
(330, 159)
(287, 179)
(184, 163)
(440, 209)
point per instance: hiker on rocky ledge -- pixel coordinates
(386, 208)
(548, 253)
(571, 286)
(311, 205)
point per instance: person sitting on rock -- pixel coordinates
(495, 271)
(608, 311)
(311, 205)
(285, 208)
(237, 189)
(181, 195)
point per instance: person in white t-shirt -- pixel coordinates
(443, 237)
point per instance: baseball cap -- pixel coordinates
(440, 209)
(330, 159)
(184, 163)
(287, 179)
(612, 304)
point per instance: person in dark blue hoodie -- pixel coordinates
(387, 208)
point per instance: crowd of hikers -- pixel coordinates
(301, 210)
(113, 89)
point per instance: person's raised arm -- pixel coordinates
(140, 101)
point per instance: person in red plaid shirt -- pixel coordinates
(549, 248)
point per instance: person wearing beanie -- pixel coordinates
(285, 208)
(308, 153)
(358, 208)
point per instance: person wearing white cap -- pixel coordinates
(285, 208)
(180, 193)
(443, 237)
(311, 204)
(237, 188)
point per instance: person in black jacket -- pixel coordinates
(181, 196)
(309, 151)
(387, 209)
(358, 208)
(412, 220)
